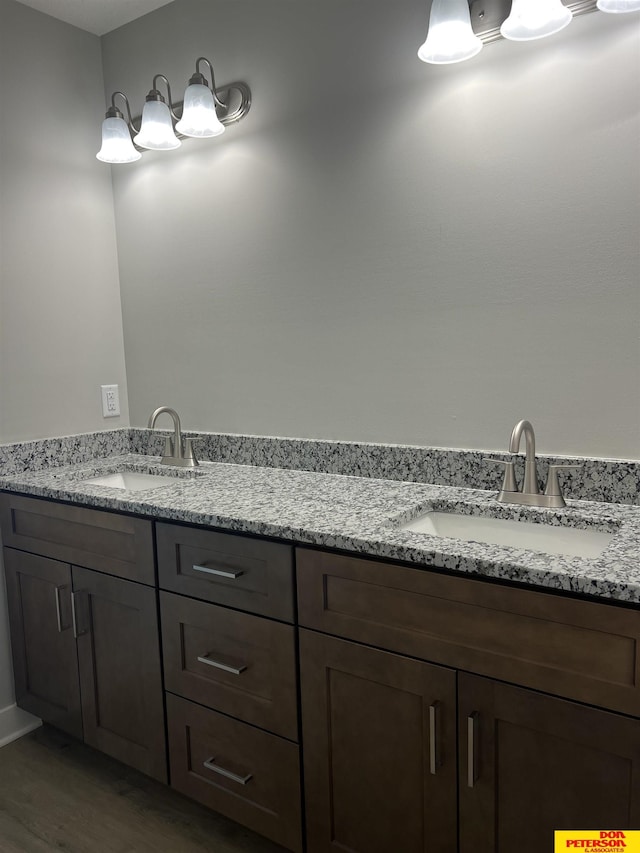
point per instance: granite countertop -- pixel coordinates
(357, 514)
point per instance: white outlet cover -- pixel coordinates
(110, 401)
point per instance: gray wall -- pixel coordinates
(386, 250)
(60, 315)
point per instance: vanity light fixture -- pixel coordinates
(459, 28)
(450, 37)
(535, 19)
(203, 114)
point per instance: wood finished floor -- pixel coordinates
(58, 795)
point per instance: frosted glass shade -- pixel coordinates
(117, 146)
(156, 130)
(450, 37)
(199, 118)
(535, 19)
(617, 6)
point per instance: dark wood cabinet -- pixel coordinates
(231, 676)
(531, 763)
(45, 661)
(583, 650)
(241, 771)
(527, 762)
(438, 713)
(235, 571)
(237, 663)
(120, 671)
(106, 541)
(84, 626)
(86, 657)
(380, 756)
(379, 741)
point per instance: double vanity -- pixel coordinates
(337, 662)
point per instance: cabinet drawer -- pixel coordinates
(232, 570)
(244, 773)
(115, 544)
(578, 649)
(234, 662)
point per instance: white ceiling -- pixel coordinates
(96, 16)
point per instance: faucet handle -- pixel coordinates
(190, 459)
(553, 486)
(509, 482)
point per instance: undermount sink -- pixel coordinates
(132, 480)
(530, 536)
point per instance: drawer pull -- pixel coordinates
(77, 632)
(223, 573)
(234, 670)
(472, 776)
(241, 780)
(58, 608)
(434, 762)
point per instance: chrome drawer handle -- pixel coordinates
(434, 762)
(77, 632)
(228, 573)
(472, 776)
(241, 780)
(234, 670)
(58, 608)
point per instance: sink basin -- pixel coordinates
(566, 541)
(132, 480)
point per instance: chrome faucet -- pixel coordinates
(530, 494)
(530, 485)
(176, 451)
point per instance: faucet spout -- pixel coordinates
(530, 485)
(177, 431)
(175, 452)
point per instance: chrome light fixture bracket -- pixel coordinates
(487, 16)
(114, 112)
(212, 109)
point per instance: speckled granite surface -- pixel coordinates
(47, 453)
(608, 480)
(357, 514)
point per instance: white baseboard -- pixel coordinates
(14, 723)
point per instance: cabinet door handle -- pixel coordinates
(241, 780)
(234, 670)
(223, 573)
(472, 746)
(74, 617)
(58, 608)
(434, 762)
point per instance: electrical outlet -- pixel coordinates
(110, 401)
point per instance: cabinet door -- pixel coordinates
(531, 763)
(120, 677)
(379, 749)
(45, 663)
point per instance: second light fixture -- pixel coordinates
(451, 37)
